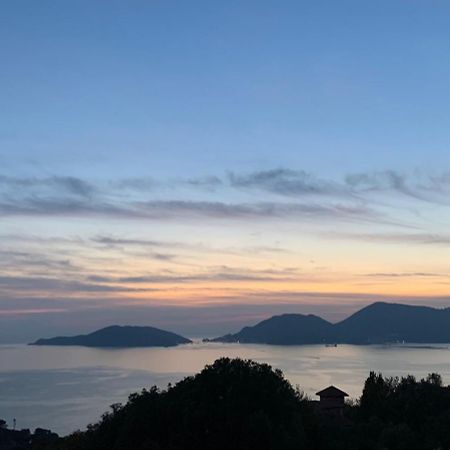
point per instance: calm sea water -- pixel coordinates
(65, 388)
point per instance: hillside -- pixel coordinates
(120, 336)
(376, 323)
(287, 329)
(231, 404)
(390, 322)
(241, 404)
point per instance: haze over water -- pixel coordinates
(65, 388)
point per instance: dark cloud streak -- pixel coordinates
(393, 238)
(222, 273)
(304, 196)
(70, 185)
(173, 209)
(24, 283)
(285, 182)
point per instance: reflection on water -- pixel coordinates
(65, 388)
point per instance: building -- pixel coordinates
(332, 401)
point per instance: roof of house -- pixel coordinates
(331, 391)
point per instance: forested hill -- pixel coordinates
(117, 336)
(376, 323)
(240, 405)
(287, 329)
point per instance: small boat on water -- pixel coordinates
(330, 345)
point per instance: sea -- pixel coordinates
(66, 388)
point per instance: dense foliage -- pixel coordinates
(231, 404)
(394, 414)
(410, 414)
(237, 404)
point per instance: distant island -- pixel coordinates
(378, 323)
(120, 336)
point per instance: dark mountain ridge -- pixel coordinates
(377, 323)
(284, 330)
(390, 322)
(120, 336)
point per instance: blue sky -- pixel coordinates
(222, 130)
(330, 86)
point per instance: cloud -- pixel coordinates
(57, 255)
(148, 184)
(209, 183)
(285, 182)
(10, 259)
(137, 184)
(115, 241)
(300, 195)
(33, 238)
(35, 284)
(393, 238)
(63, 206)
(224, 210)
(162, 256)
(70, 185)
(108, 240)
(174, 209)
(419, 186)
(74, 185)
(294, 183)
(221, 210)
(405, 275)
(221, 273)
(377, 181)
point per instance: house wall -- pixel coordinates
(331, 402)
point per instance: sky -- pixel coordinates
(199, 166)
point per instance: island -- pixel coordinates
(378, 323)
(120, 336)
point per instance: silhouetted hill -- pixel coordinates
(390, 322)
(229, 405)
(236, 404)
(117, 336)
(287, 329)
(376, 323)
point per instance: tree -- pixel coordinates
(231, 404)
(434, 379)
